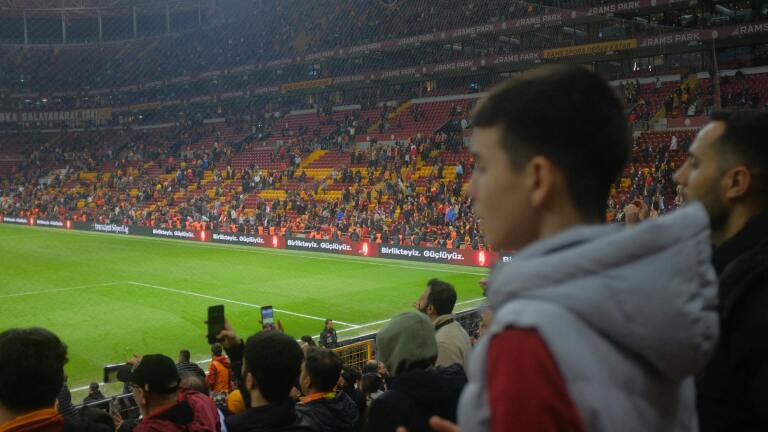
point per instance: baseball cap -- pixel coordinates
(155, 373)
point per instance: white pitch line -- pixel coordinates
(234, 302)
(266, 251)
(29, 293)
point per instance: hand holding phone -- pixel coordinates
(215, 322)
(267, 318)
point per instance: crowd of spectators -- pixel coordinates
(385, 206)
(385, 194)
(589, 327)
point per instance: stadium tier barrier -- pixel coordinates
(464, 257)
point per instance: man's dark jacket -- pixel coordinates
(279, 417)
(732, 390)
(415, 396)
(328, 338)
(338, 414)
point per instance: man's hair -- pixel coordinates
(184, 356)
(324, 368)
(308, 340)
(194, 381)
(351, 375)
(371, 366)
(89, 414)
(571, 117)
(274, 360)
(31, 368)
(442, 296)
(217, 349)
(327, 321)
(371, 383)
(743, 142)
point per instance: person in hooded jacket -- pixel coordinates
(218, 371)
(334, 411)
(165, 407)
(408, 348)
(595, 327)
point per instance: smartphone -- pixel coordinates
(215, 322)
(267, 317)
(110, 372)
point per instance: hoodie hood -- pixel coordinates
(649, 289)
(408, 338)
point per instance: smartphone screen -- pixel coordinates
(267, 316)
(215, 322)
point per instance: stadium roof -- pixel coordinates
(93, 5)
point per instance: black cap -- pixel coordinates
(155, 373)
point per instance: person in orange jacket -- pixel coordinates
(218, 373)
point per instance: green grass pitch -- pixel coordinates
(108, 296)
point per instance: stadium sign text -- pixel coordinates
(517, 58)
(232, 238)
(671, 39)
(552, 18)
(612, 8)
(112, 228)
(750, 29)
(400, 251)
(473, 30)
(589, 49)
(42, 222)
(174, 233)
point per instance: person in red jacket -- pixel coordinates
(163, 405)
(218, 372)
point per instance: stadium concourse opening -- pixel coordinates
(381, 176)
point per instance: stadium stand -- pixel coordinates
(346, 121)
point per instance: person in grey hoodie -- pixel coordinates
(595, 327)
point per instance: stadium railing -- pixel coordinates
(356, 354)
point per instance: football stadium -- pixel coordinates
(362, 215)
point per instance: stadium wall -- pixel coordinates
(463, 257)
